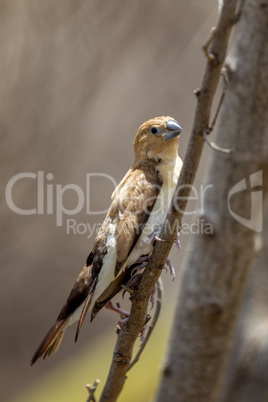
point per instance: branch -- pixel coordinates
(91, 390)
(159, 292)
(218, 265)
(214, 146)
(125, 341)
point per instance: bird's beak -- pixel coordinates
(173, 129)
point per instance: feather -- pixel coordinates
(139, 206)
(51, 341)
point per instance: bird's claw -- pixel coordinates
(152, 236)
(158, 238)
(143, 259)
(127, 289)
(124, 315)
(122, 324)
(143, 333)
(152, 297)
(117, 309)
(169, 266)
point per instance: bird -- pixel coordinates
(139, 205)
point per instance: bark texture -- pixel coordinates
(248, 366)
(218, 265)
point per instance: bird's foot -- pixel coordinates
(122, 324)
(144, 329)
(169, 267)
(152, 297)
(136, 273)
(133, 281)
(123, 313)
(142, 259)
(153, 236)
(117, 309)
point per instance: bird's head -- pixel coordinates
(157, 139)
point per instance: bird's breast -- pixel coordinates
(158, 214)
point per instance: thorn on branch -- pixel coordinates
(197, 92)
(210, 56)
(91, 389)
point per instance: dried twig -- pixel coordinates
(91, 389)
(207, 131)
(214, 146)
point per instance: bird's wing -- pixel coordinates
(132, 204)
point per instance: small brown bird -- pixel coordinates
(138, 209)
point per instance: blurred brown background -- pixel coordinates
(77, 80)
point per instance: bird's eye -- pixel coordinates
(154, 130)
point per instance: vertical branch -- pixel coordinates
(125, 342)
(218, 265)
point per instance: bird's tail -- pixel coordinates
(51, 341)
